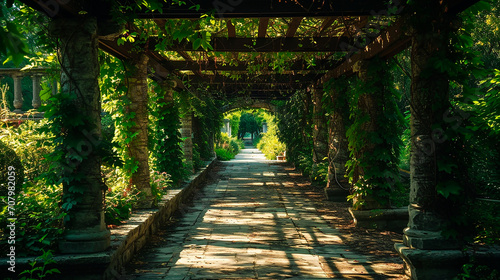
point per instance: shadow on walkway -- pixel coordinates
(248, 225)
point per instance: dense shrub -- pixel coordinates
(271, 146)
(223, 154)
(227, 147)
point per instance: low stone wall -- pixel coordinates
(126, 239)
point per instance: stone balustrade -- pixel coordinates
(36, 75)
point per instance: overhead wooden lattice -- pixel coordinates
(259, 48)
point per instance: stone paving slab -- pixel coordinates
(248, 226)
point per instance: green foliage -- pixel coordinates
(13, 44)
(10, 166)
(373, 173)
(40, 267)
(248, 124)
(477, 271)
(223, 154)
(165, 137)
(269, 143)
(114, 103)
(160, 183)
(120, 196)
(227, 147)
(295, 129)
(38, 199)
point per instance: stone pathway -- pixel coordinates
(247, 226)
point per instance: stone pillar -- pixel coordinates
(37, 102)
(264, 127)
(137, 94)
(337, 188)
(83, 187)
(369, 104)
(427, 254)
(320, 136)
(187, 136)
(18, 93)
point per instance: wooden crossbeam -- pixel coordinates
(211, 65)
(263, 23)
(293, 26)
(307, 44)
(266, 8)
(269, 78)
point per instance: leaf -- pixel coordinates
(448, 187)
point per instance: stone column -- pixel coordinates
(18, 93)
(137, 94)
(427, 254)
(187, 136)
(320, 136)
(83, 187)
(36, 102)
(369, 104)
(337, 188)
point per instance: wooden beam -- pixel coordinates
(269, 78)
(266, 8)
(231, 30)
(307, 44)
(391, 41)
(263, 23)
(211, 65)
(293, 26)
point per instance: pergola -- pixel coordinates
(321, 39)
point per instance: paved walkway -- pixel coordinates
(247, 226)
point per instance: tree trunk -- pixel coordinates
(85, 228)
(138, 148)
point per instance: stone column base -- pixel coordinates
(85, 243)
(337, 194)
(431, 264)
(384, 219)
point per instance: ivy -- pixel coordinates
(374, 135)
(165, 137)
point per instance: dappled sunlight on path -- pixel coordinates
(247, 225)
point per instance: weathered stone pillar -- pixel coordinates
(320, 136)
(18, 93)
(83, 187)
(137, 94)
(187, 136)
(36, 102)
(369, 104)
(427, 254)
(337, 187)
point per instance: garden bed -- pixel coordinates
(126, 239)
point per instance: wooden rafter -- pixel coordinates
(327, 22)
(391, 41)
(211, 65)
(263, 23)
(231, 30)
(293, 26)
(280, 44)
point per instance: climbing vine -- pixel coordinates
(374, 135)
(165, 138)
